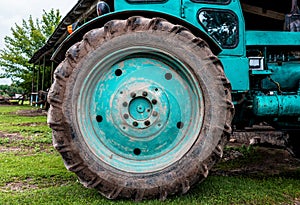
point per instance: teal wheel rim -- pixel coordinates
(140, 109)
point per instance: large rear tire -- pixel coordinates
(140, 109)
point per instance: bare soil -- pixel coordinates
(257, 161)
(262, 161)
(20, 186)
(12, 142)
(4, 146)
(32, 113)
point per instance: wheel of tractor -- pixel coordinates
(140, 109)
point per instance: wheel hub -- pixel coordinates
(140, 107)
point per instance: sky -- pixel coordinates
(12, 12)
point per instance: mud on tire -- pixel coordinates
(93, 91)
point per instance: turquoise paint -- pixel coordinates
(141, 109)
(172, 7)
(188, 11)
(261, 72)
(234, 59)
(277, 105)
(235, 64)
(272, 38)
(280, 73)
(191, 15)
(237, 71)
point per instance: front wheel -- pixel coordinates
(140, 109)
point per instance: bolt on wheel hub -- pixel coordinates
(140, 109)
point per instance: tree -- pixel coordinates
(10, 90)
(26, 39)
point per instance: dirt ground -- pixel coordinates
(262, 161)
(13, 142)
(256, 161)
(32, 113)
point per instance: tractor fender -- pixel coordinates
(98, 22)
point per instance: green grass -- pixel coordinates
(32, 172)
(18, 102)
(214, 190)
(40, 165)
(12, 123)
(9, 109)
(34, 130)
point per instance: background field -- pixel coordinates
(32, 172)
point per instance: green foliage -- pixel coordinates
(10, 90)
(21, 45)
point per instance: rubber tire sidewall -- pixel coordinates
(194, 165)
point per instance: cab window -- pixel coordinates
(222, 25)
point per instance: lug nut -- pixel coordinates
(154, 101)
(133, 95)
(135, 124)
(168, 76)
(145, 93)
(147, 123)
(126, 116)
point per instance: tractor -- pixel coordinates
(147, 92)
